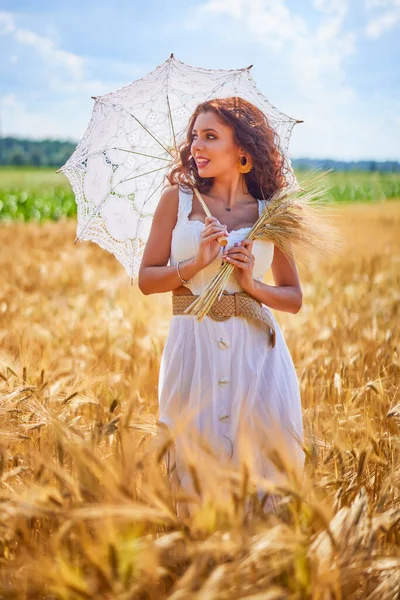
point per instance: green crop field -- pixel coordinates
(29, 193)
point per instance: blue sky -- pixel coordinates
(332, 63)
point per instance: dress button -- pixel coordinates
(223, 416)
(223, 381)
(223, 344)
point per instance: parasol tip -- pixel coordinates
(299, 121)
(94, 97)
(59, 170)
(76, 240)
(172, 55)
(248, 68)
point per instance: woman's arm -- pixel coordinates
(155, 275)
(286, 295)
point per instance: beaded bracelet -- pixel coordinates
(180, 277)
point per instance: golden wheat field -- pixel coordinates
(87, 511)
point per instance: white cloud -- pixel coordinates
(72, 63)
(387, 19)
(58, 107)
(66, 71)
(44, 46)
(309, 60)
(332, 25)
(315, 57)
(269, 20)
(6, 23)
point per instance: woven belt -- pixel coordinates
(239, 304)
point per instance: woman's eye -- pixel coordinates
(208, 135)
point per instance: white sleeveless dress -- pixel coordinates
(224, 377)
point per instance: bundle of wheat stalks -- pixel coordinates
(296, 220)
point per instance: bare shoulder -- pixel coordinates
(171, 191)
(167, 207)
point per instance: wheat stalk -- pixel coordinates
(293, 220)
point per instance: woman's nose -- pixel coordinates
(197, 146)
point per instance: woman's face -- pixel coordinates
(216, 145)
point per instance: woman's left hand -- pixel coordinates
(241, 257)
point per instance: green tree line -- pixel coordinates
(44, 153)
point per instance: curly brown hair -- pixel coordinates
(252, 131)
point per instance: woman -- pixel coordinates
(224, 377)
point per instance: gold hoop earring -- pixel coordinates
(246, 167)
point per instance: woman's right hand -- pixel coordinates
(209, 246)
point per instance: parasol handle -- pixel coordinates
(221, 240)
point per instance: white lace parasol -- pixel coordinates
(118, 169)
